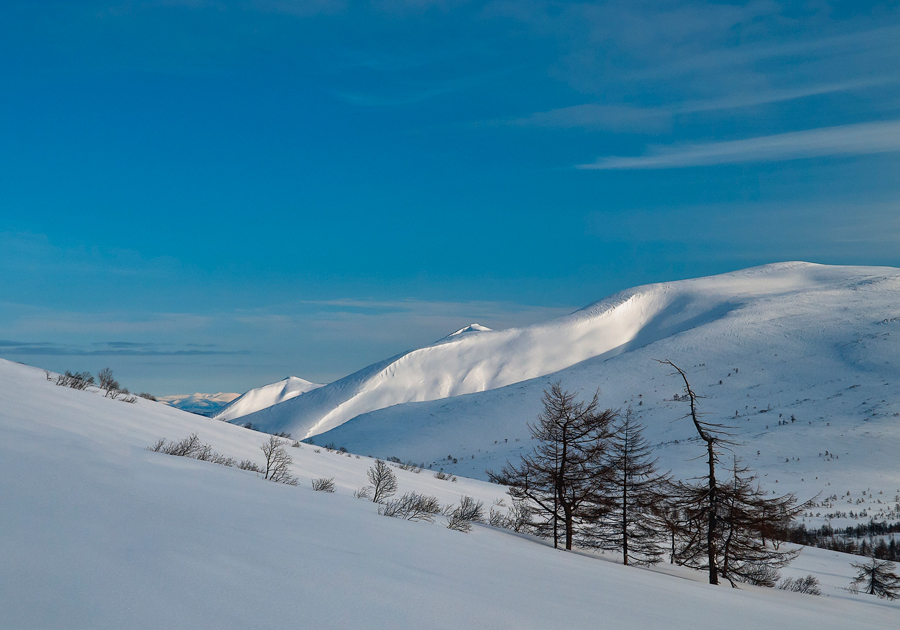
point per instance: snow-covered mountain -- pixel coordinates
(265, 396)
(801, 359)
(98, 532)
(199, 403)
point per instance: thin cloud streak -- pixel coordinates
(652, 119)
(845, 140)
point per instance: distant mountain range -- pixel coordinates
(201, 404)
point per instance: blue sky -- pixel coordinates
(210, 196)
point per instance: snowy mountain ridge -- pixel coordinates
(478, 362)
(265, 396)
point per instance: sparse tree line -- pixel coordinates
(104, 381)
(591, 482)
(852, 540)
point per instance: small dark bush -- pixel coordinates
(193, 448)
(461, 517)
(248, 465)
(412, 507)
(78, 380)
(362, 493)
(809, 585)
(323, 485)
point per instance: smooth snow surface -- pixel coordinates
(266, 396)
(98, 532)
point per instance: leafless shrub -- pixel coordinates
(808, 585)
(412, 507)
(184, 448)
(461, 517)
(47, 374)
(108, 382)
(147, 396)
(193, 448)
(515, 517)
(412, 467)
(323, 485)
(78, 380)
(444, 476)
(383, 480)
(362, 493)
(278, 462)
(246, 464)
(296, 444)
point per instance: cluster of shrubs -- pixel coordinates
(277, 459)
(193, 448)
(411, 506)
(105, 381)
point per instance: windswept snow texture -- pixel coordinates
(202, 404)
(100, 533)
(266, 396)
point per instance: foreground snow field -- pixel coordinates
(98, 532)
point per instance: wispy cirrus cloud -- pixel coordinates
(625, 118)
(844, 140)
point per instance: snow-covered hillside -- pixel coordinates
(266, 396)
(483, 360)
(98, 532)
(801, 359)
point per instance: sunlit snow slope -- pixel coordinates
(803, 361)
(776, 301)
(100, 533)
(266, 396)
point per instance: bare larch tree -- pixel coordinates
(877, 578)
(629, 519)
(713, 435)
(562, 476)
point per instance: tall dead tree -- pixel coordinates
(733, 528)
(713, 435)
(561, 477)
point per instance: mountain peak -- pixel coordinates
(471, 328)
